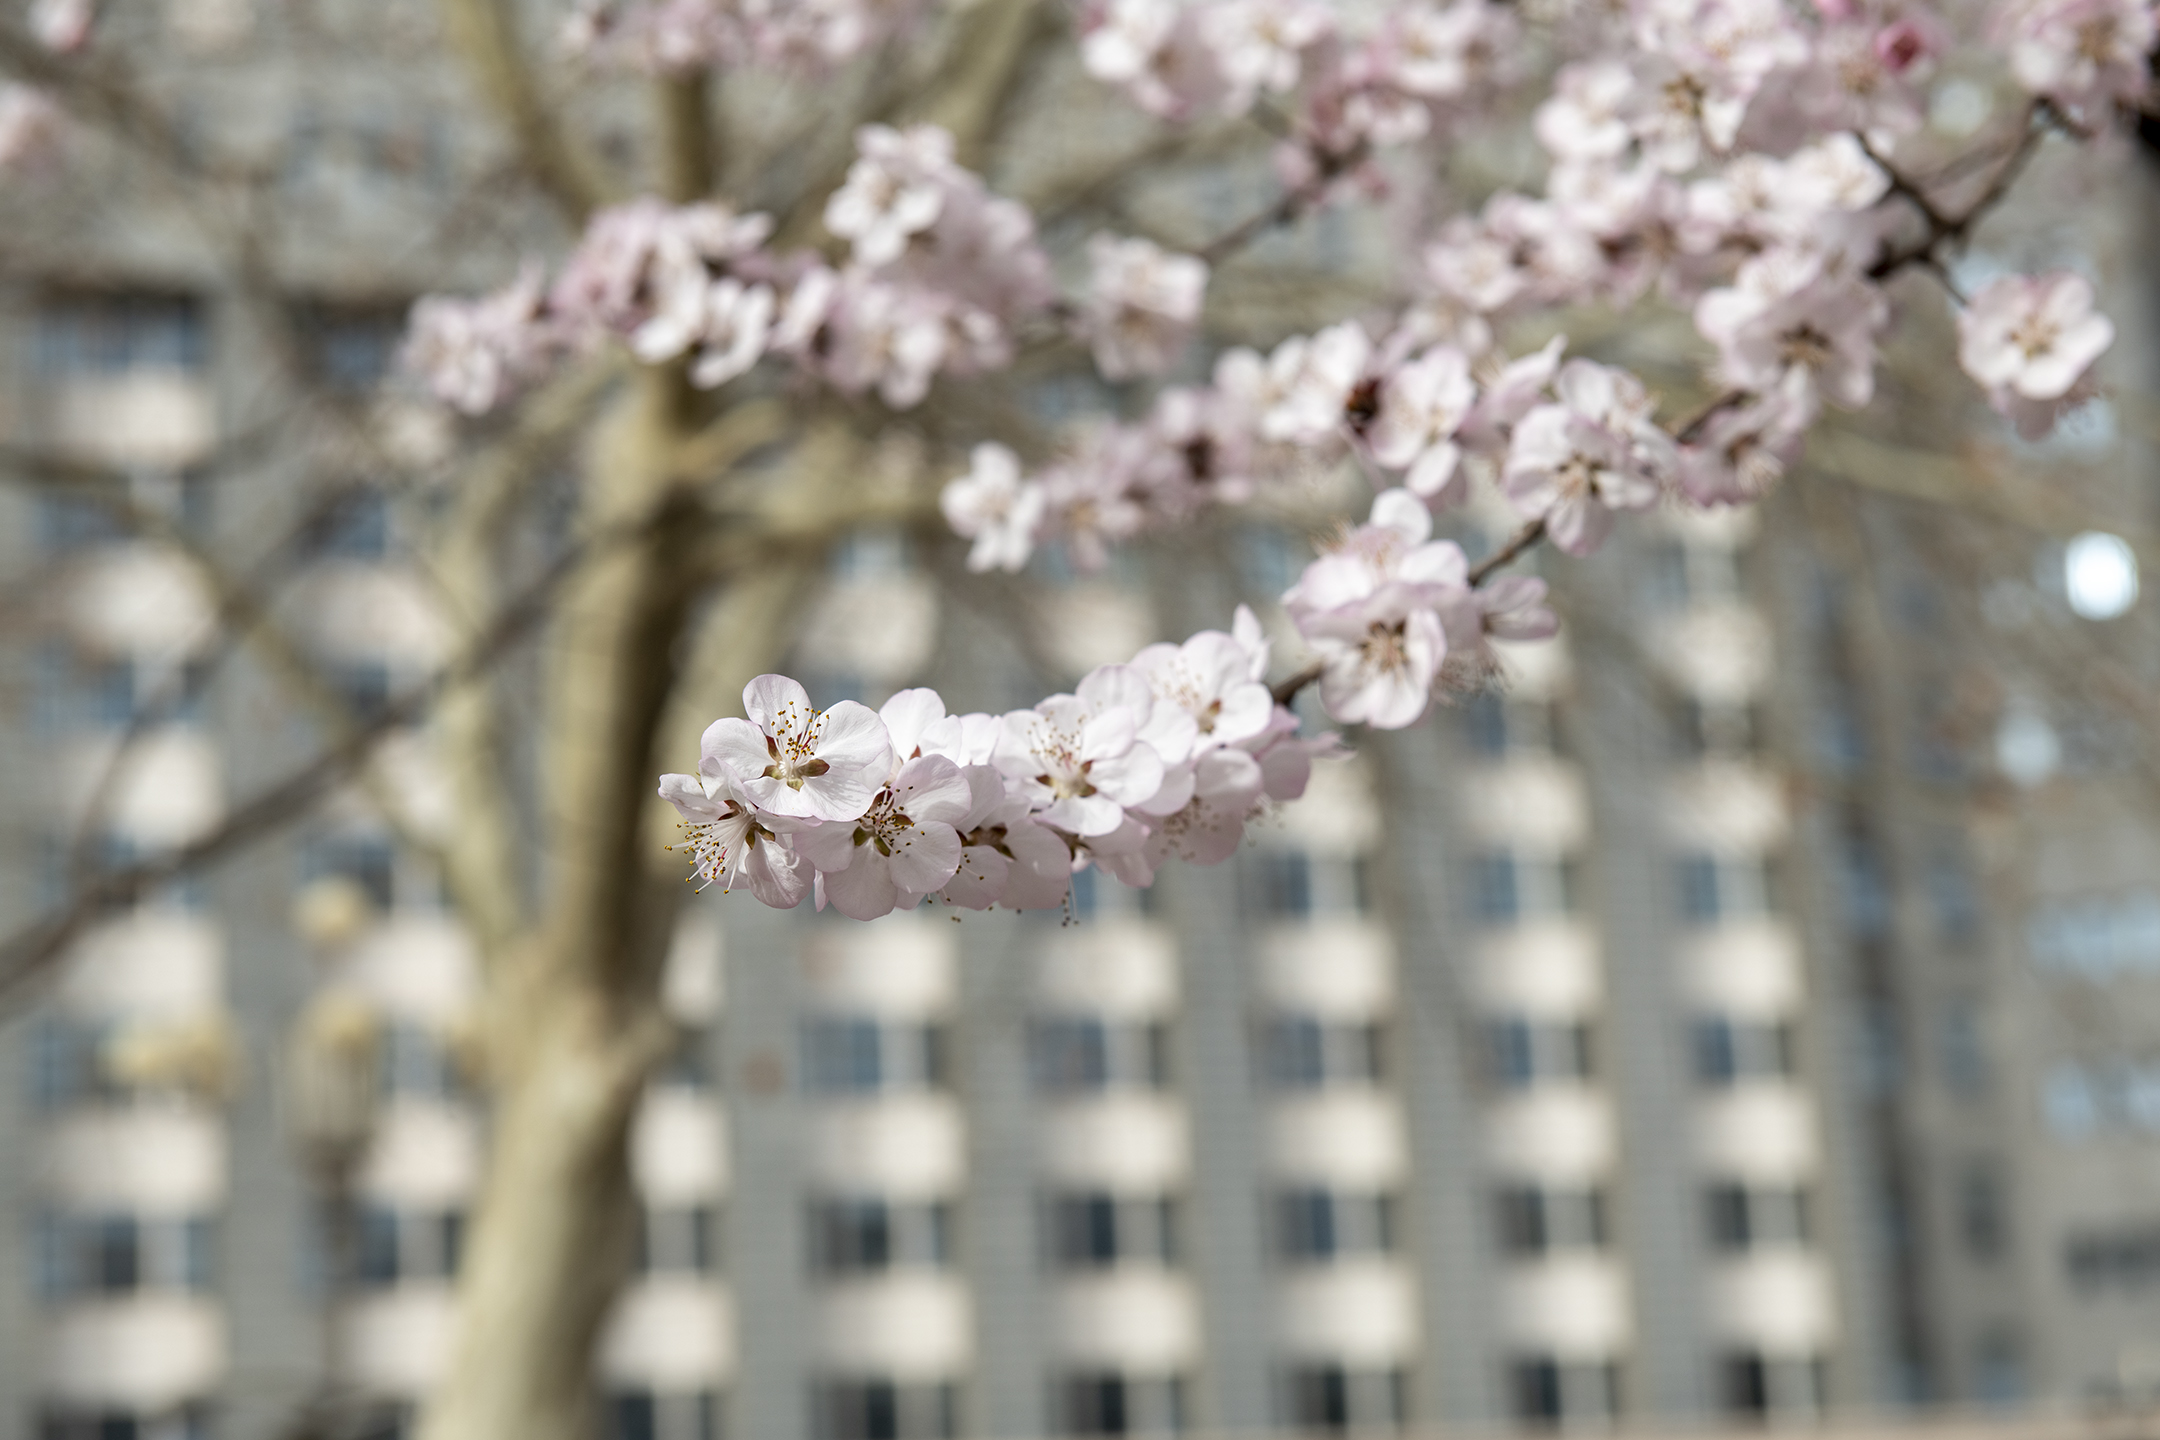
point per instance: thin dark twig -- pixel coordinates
(1690, 430)
(1522, 540)
(1282, 212)
(2039, 118)
(1287, 691)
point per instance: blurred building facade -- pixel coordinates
(1566, 1062)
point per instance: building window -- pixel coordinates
(1728, 1051)
(1703, 729)
(354, 526)
(83, 1255)
(1333, 1399)
(1743, 1217)
(876, 1408)
(1305, 1052)
(1298, 885)
(1500, 725)
(1999, 1369)
(1522, 1052)
(1963, 1049)
(662, 1415)
(1755, 1385)
(393, 1246)
(109, 334)
(845, 1055)
(1092, 1230)
(1110, 1403)
(186, 1422)
(1715, 888)
(2125, 1259)
(1535, 1220)
(1506, 887)
(1547, 1392)
(853, 1235)
(677, 1240)
(1314, 1225)
(2099, 939)
(1075, 1054)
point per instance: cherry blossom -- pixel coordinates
(1379, 657)
(1313, 379)
(1141, 305)
(62, 26)
(1007, 856)
(1212, 678)
(1080, 757)
(1572, 464)
(2082, 54)
(2033, 337)
(899, 849)
(798, 761)
(895, 191)
(1421, 406)
(1743, 161)
(473, 353)
(995, 508)
(729, 838)
(1798, 324)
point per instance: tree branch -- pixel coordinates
(486, 31)
(30, 952)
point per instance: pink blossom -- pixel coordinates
(1741, 451)
(1439, 53)
(729, 838)
(2034, 336)
(887, 337)
(895, 190)
(1378, 657)
(1259, 45)
(1573, 463)
(62, 26)
(1587, 116)
(993, 506)
(1007, 857)
(1394, 548)
(1313, 380)
(1422, 405)
(794, 760)
(1079, 758)
(1210, 678)
(2083, 54)
(1512, 607)
(1792, 323)
(474, 353)
(901, 848)
(1141, 306)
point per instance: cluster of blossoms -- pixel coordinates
(871, 811)
(31, 124)
(1349, 94)
(1722, 154)
(939, 273)
(676, 36)
(1743, 160)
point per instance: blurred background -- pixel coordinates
(1746, 1011)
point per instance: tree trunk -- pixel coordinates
(551, 1236)
(571, 1012)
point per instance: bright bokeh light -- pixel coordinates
(2026, 746)
(2100, 575)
